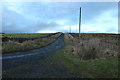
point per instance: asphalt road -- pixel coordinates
(18, 58)
(12, 63)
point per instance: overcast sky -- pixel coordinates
(43, 17)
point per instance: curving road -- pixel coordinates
(19, 58)
(25, 64)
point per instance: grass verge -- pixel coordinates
(96, 68)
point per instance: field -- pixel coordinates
(96, 35)
(23, 42)
(24, 35)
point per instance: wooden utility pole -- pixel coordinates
(79, 22)
(78, 46)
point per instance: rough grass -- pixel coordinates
(95, 47)
(92, 67)
(14, 46)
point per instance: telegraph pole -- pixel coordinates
(78, 47)
(79, 22)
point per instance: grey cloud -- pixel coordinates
(14, 22)
(52, 12)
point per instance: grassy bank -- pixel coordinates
(14, 46)
(91, 68)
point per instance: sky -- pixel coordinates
(50, 17)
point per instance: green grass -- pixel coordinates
(99, 68)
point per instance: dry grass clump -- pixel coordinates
(92, 48)
(10, 46)
(89, 50)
